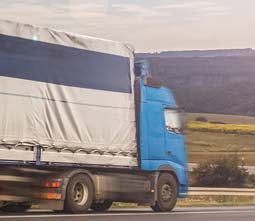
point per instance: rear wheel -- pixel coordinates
(167, 193)
(101, 207)
(79, 194)
(16, 207)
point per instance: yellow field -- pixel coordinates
(248, 129)
(228, 119)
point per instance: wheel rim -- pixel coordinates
(80, 194)
(166, 192)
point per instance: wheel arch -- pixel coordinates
(171, 170)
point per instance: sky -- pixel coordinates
(148, 25)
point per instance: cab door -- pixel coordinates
(155, 131)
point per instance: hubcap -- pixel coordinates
(166, 192)
(80, 193)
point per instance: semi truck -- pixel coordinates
(83, 125)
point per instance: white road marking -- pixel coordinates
(127, 214)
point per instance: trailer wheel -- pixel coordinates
(167, 193)
(101, 207)
(79, 194)
(16, 207)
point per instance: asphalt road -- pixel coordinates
(189, 214)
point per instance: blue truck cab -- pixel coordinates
(162, 122)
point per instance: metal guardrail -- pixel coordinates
(204, 191)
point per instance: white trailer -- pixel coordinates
(65, 98)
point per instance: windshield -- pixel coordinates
(175, 120)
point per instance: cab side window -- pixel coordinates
(175, 120)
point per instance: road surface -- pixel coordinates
(179, 214)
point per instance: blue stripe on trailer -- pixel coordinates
(50, 63)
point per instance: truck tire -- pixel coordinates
(167, 193)
(101, 207)
(16, 207)
(79, 194)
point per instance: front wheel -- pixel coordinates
(167, 193)
(79, 194)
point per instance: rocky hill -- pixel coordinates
(199, 53)
(220, 81)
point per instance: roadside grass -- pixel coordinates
(206, 201)
(203, 201)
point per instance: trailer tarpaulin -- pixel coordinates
(69, 96)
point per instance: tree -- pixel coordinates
(202, 119)
(224, 172)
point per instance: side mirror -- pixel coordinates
(152, 82)
(142, 68)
